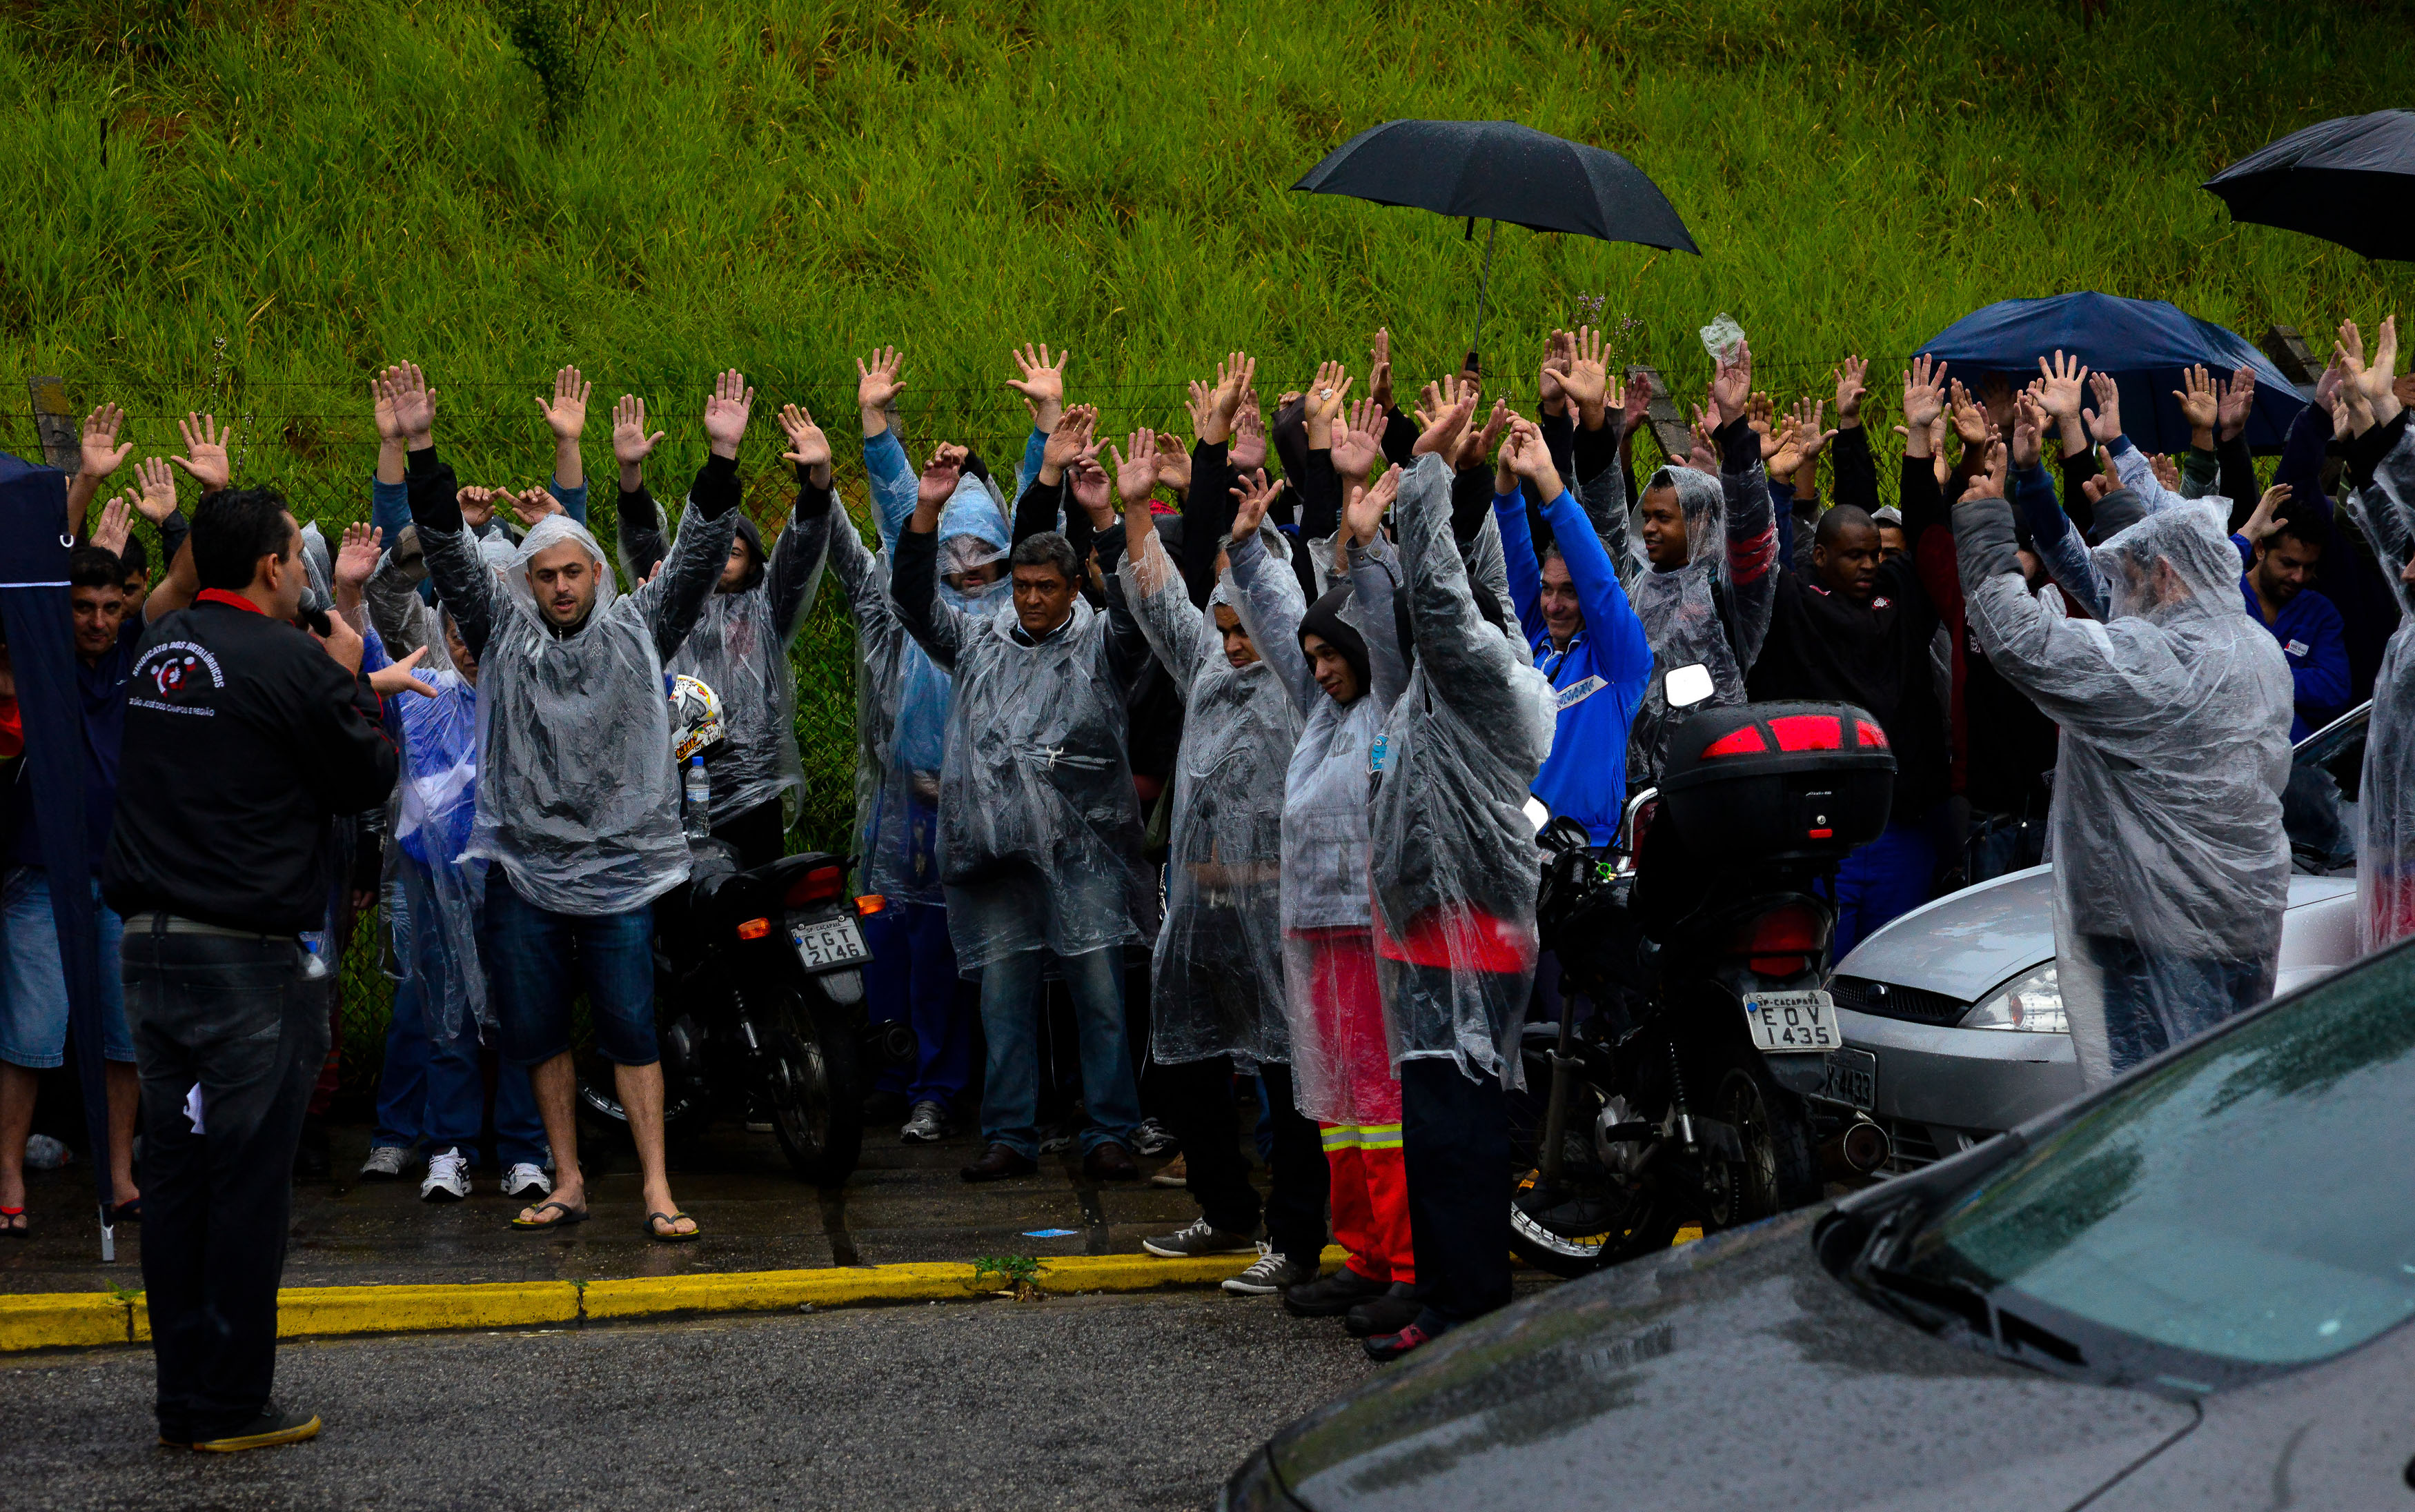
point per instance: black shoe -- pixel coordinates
(1384, 1348)
(1110, 1162)
(1334, 1296)
(273, 1426)
(997, 1163)
(312, 1161)
(1394, 1310)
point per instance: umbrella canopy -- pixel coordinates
(38, 621)
(1502, 170)
(2144, 343)
(2350, 180)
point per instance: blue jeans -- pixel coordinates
(1011, 1008)
(913, 977)
(1884, 879)
(34, 985)
(432, 1094)
(530, 954)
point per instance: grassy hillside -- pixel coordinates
(776, 185)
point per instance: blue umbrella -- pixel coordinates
(36, 616)
(2144, 343)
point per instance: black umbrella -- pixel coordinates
(2350, 180)
(1500, 171)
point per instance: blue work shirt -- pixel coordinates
(100, 687)
(2314, 639)
(1599, 677)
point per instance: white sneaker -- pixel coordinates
(448, 1178)
(525, 1179)
(387, 1163)
(928, 1125)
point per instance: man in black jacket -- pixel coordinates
(244, 740)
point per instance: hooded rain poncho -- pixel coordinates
(1714, 611)
(2171, 869)
(2385, 852)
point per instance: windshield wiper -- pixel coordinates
(1932, 1302)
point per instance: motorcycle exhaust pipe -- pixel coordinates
(892, 1043)
(1858, 1151)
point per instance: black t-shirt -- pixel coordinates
(1824, 645)
(242, 741)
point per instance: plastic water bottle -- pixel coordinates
(700, 799)
(315, 941)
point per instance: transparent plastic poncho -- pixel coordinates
(1040, 824)
(1455, 866)
(1732, 554)
(2171, 868)
(902, 697)
(739, 649)
(1341, 1056)
(578, 799)
(1216, 986)
(2385, 854)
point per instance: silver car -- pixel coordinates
(1953, 1023)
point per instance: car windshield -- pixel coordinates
(2318, 806)
(2247, 1202)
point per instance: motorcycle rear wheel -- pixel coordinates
(1644, 1222)
(817, 1092)
(600, 1114)
(1781, 1170)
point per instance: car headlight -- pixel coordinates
(2033, 1002)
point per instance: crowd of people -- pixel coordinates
(1269, 710)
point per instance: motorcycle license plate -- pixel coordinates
(1852, 1079)
(1793, 1022)
(828, 944)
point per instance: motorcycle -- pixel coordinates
(1702, 1089)
(758, 994)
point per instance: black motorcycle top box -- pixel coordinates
(1776, 781)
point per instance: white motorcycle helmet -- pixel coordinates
(695, 717)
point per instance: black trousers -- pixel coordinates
(244, 1019)
(1455, 1147)
(760, 834)
(1198, 1097)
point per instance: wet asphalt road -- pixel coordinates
(1105, 1402)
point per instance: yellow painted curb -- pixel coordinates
(50, 1320)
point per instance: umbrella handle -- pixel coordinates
(1492, 235)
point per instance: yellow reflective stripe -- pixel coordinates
(1380, 1136)
(1340, 1136)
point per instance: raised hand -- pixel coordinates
(477, 504)
(158, 499)
(1249, 448)
(1379, 369)
(1250, 501)
(1359, 446)
(1786, 459)
(1586, 379)
(531, 504)
(1637, 407)
(938, 480)
(1067, 443)
(1558, 351)
(2029, 426)
(414, 403)
(400, 677)
(2199, 404)
(631, 445)
(1810, 440)
(1087, 483)
(1988, 482)
(1362, 514)
(2060, 383)
(1759, 413)
(357, 555)
(1478, 445)
(1442, 422)
(1173, 463)
(809, 450)
(1323, 403)
(1201, 400)
(2105, 421)
(1924, 395)
(99, 452)
(2168, 471)
(1135, 468)
(116, 519)
(726, 410)
(2261, 523)
(2370, 386)
(205, 450)
(1731, 384)
(2237, 403)
(2326, 386)
(1043, 384)
(1850, 390)
(877, 383)
(1234, 376)
(1528, 456)
(389, 429)
(566, 411)
(1970, 417)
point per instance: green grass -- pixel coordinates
(778, 186)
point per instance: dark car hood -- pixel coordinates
(1732, 1372)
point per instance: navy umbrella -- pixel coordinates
(2143, 343)
(38, 621)
(2350, 180)
(1499, 171)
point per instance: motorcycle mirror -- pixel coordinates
(1688, 685)
(1537, 814)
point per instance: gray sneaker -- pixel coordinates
(1200, 1238)
(448, 1178)
(524, 1178)
(387, 1163)
(928, 1126)
(1273, 1273)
